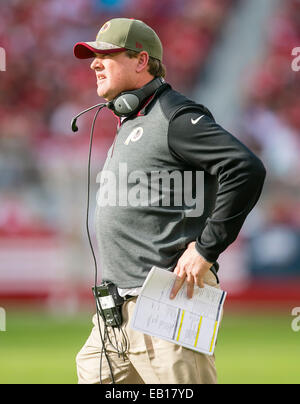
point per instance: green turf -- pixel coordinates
(39, 348)
(258, 349)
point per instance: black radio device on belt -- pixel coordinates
(109, 303)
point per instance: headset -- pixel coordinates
(128, 102)
(124, 105)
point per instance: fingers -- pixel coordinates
(179, 281)
(190, 286)
(199, 281)
(189, 272)
(190, 282)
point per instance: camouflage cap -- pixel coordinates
(121, 34)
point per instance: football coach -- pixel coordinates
(164, 132)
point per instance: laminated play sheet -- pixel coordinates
(192, 323)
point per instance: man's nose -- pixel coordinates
(96, 64)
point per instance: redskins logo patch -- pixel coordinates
(105, 27)
(134, 136)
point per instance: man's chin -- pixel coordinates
(103, 94)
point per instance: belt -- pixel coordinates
(128, 297)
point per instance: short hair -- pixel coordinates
(155, 66)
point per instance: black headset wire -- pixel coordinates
(124, 346)
(98, 306)
(99, 310)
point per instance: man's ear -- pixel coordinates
(143, 59)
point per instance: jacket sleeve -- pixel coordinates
(199, 142)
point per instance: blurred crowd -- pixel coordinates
(44, 85)
(270, 126)
(42, 165)
(273, 104)
(43, 79)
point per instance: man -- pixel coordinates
(167, 134)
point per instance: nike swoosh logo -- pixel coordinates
(194, 121)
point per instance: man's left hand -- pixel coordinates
(191, 267)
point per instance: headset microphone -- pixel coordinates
(73, 123)
(126, 103)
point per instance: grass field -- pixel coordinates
(39, 348)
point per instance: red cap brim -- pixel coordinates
(84, 51)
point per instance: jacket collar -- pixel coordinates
(144, 108)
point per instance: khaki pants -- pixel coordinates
(148, 360)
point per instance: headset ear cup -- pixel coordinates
(126, 104)
(129, 103)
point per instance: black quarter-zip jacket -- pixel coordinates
(141, 223)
